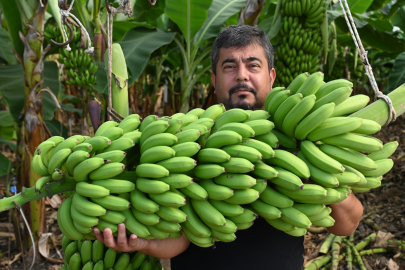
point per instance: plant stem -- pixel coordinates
(324, 248)
(373, 251)
(337, 241)
(316, 264)
(361, 245)
(29, 194)
(349, 259)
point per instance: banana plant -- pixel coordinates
(198, 21)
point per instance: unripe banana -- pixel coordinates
(69, 143)
(201, 242)
(319, 176)
(86, 147)
(109, 258)
(129, 125)
(149, 219)
(190, 135)
(297, 232)
(82, 219)
(99, 143)
(298, 82)
(265, 149)
(157, 153)
(296, 114)
(275, 198)
(213, 155)
(331, 86)
(368, 127)
(268, 138)
(321, 160)
(177, 180)
(309, 192)
(187, 149)
(75, 262)
(115, 185)
(134, 135)
(202, 128)
(386, 152)
(157, 234)
(113, 133)
(147, 121)
(84, 168)
(187, 119)
(143, 204)
(337, 97)
(86, 207)
(195, 191)
(244, 226)
(383, 166)
(92, 191)
(281, 225)
(70, 250)
(277, 100)
(153, 129)
(121, 144)
(312, 84)
(266, 210)
(271, 95)
(208, 213)
(193, 224)
(58, 159)
(172, 214)
(295, 217)
(238, 165)
(290, 162)
(223, 138)
(114, 156)
(355, 142)
(216, 192)
(249, 153)
(151, 171)
(263, 170)
(168, 227)
(163, 139)
(258, 115)
(107, 171)
(213, 111)
(326, 222)
(242, 129)
(169, 199)
(105, 126)
(38, 166)
(112, 202)
(223, 237)
(285, 108)
(134, 226)
(243, 196)
(114, 217)
(309, 209)
(230, 116)
(207, 171)
(334, 126)
(74, 159)
(235, 181)
(351, 105)
(260, 186)
(151, 186)
(66, 219)
(178, 164)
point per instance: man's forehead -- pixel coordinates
(249, 51)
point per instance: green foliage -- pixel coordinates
(397, 75)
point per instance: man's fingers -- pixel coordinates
(133, 241)
(109, 240)
(122, 236)
(98, 235)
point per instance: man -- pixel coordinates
(243, 75)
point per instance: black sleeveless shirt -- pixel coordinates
(257, 248)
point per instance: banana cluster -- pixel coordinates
(52, 32)
(209, 173)
(79, 67)
(301, 38)
(90, 254)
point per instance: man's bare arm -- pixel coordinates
(160, 248)
(347, 216)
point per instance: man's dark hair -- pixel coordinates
(239, 36)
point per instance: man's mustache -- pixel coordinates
(242, 86)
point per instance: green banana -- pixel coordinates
(227, 209)
(115, 185)
(290, 162)
(271, 95)
(296, 114)
(268, 138)
(258, 115)
(312, 84)
(86, 252)
(177, 180)
(151, 171)
(108, 170)
(334, 126)
(144, 218)
(141, 203)
(190, 135)
(230, 116)
(310, 192)
(83, 169)
(287, 180)
(243, 129)
(41, 182)
(201, 242)
(70, 250)
(281, 225)
(265, 149)
(383, 166)
(351, 105)
(208, 213)
(168, 227)
(263, 170)
(86, 207)
(178, 164)
(114, 156)
(169, 199)
(122, 262)
(58, 159)
(309, 209)
(265, 210)
(277, 100)
(213, 111)
(187, 149)
(207, 171)
(326, 222)
(260, 127)
(319, 159)
(223, 138)
(92, 191)
(113, 133)
(355, 142)
(193, 224)
(121, 144)
(98, 143)
(109, 258)
(134, 226)
(235, 181)
(244, 226)
(213, 155)
(298, 82)
(275, 198)
(151, 186)
(82, 219)
(329, 87)
(172, 214)
(147, 121)
(113, 217)
(153, 129)
(112, 202)
(243, 196)
(285, 108)
(75, 262)
(386, 152)
(337, 97)
(295, 217)
(195, 191)
(157, 153)
(216, 192)
(238, 165)
(129, 124)
(368, 127)
(105, 126)
(187, 119)
(260, 186)
(86, 147)
(297, 232)
(157, 234)
(69, 143)
(223, 237)
(319, 176)
(67, 221)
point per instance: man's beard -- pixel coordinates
(240, 104)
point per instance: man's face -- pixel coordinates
(243, 79)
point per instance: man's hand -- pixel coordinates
(122, 243)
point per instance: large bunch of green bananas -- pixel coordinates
(301, 38)
(211, 172)
(52, 32)
(345, 63)
(90, 254)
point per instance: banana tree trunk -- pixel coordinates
(32, 131)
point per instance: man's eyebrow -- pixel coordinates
(249, 59)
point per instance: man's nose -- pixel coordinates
(242, 74)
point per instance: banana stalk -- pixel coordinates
(316, 264)
(373, 251)
(349, 259)
(324, 248)
(119, 80)
(379, 111)
(361, 245)
(341, 257)
(29, 194)
(337, 241)
(358, 258)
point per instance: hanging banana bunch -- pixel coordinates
(301, 38)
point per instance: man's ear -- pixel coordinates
(213, 80)
(272, 76)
